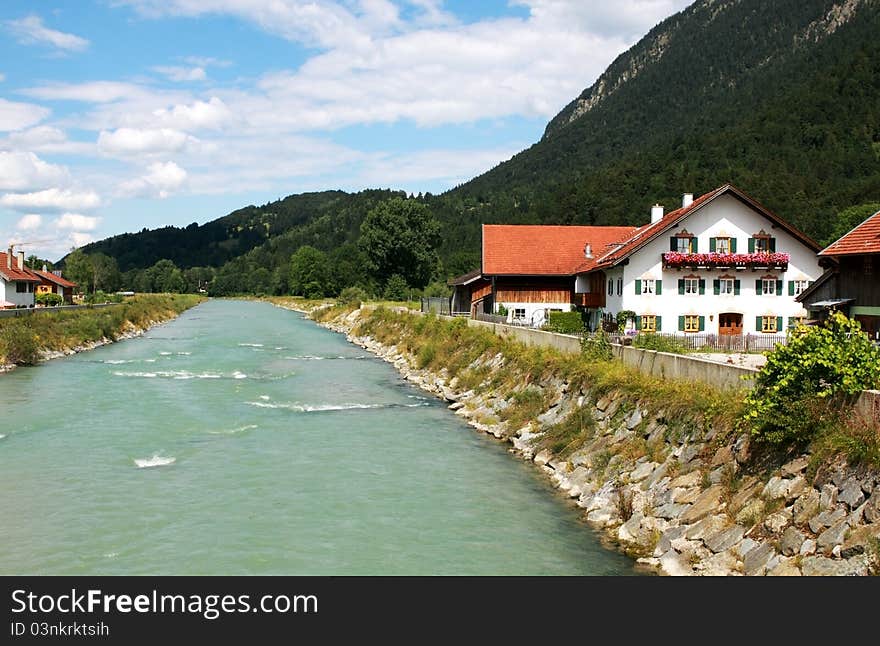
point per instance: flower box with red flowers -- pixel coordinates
(675, 260)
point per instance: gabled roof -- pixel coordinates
(14, 273)
(817, 284)
(865, 238)
(645, 234)
(54, 278)
(544, 250)
(466, 279)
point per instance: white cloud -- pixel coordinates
(22, 171)
(29, 222)
(206, 61)
(161, 180)
(210, 114)
(630, 19)
(31, 30)
(2, 77)
(79, 239)
(182, 74)
(52, 199)
(15, 116)
(90, 92)
(46, 139)
(77, 222)
(128, 141)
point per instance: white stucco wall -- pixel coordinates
(8, 293)
(535, 312)
(724, 216)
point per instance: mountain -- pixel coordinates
(781, 98)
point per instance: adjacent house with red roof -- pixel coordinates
(17, 282)
(852, 281)
(51, 282)
(720, 264)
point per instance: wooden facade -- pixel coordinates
(534, 290)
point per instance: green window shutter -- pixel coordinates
(791, 288)
(659, 326)
(711, 245)
(716, 286)
(658, 285)
(702, 324)
(736, 287)
(751, 245)
(681, 324)
(638, 287)
(779, 288)
(757, 324)
(639, 323)
(733, 245)
(758, 286)
(673, 244)
(778, 324)
(772, 245)
(681, 286)
(702, 287)
(694, 245)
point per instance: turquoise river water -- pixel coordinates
(241, 438)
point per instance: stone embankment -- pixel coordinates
(688, 502)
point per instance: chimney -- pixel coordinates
(686, 200)
(656, 213)
(21, 260)
(9, 258)
(45, 268)
(588, 251)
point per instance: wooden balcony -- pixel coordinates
(593, 300)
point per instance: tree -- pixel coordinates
(396, 289)
(308, 272)
(849, 219)
(78, 268)
(401, 236)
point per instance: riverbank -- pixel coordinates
(45, 336)
(655, 465)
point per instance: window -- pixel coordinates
(649, 323)
(684, 245)
(691, 323)
(21, 288)
(610, 286)
(768, 286)
(726, 286)
(691, 285)
(519, 314)
(761, 245)
(30, 288)
(797, 287)
(868, 266)
(768, 324)
(722, 245)
(762, 242)
(620, 286)
(648, 287)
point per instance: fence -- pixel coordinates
(720, 342)
(27, 311)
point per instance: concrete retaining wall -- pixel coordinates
(678, 366)
(530, 336)
(869, 404)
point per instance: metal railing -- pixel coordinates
(719, 342)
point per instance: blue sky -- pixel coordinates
(117, 115)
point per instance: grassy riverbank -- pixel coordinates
(25, 340)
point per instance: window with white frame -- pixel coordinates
(620, 286)
(648, 286)
(519, 314)
(691, 285)
(726, 286)
(800, 286)
(722, 245)
(684, 245)
(610, 286)
(768, 286)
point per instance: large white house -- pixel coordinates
(720, 264)
(17, 282)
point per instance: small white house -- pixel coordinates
(721, 264)
(17, 282)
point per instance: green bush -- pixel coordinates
(650, 341)
(396, 289)
(803, 384)
(48, 299)
(596, 347)
(352, 296)
(501, 311)
(565, 322)
(19, 343)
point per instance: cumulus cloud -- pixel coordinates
(161, 180)
(29, 222)
(210, 114)
(22, 171)
(16, 116)
(52, 199)
(76, 221)
(90, 92)
(30, 30)
(182, 74)
(128, 141)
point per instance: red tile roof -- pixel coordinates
(54, 278)
(544, 250)
(16, 273)
(865, 238)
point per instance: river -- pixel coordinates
(241, 438)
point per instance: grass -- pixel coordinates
(22, 339)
